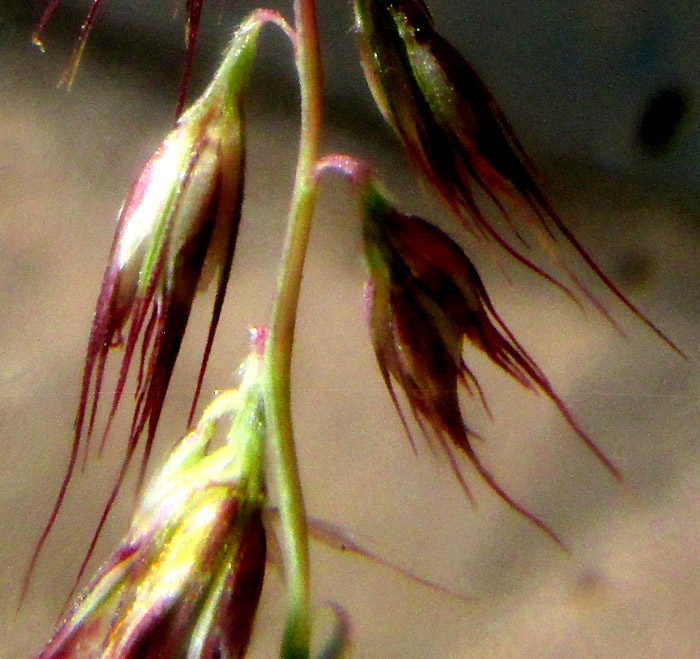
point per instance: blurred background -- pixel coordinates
(605, 98)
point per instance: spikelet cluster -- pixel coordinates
(425, 300)
(186, 579)
(176, 231)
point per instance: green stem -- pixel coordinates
(278, 354)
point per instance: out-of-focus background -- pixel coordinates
(606, 99)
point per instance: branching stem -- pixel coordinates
(278, 354)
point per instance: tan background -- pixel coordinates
(630, 587)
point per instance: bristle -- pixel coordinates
(194, 12)
(95, 351)
(566, 232)
(137, 322)
(334, 538)
(146, 345)
(511, 251)
(392, 394)
(51, 521)
(99, 377)
(103, 519)
(514, 505)
(469, 380)
(515, 360)
(70, 73)
(50, 8)
(233, 216)
(454, 466)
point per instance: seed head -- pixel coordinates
(456, 133)
(186, 579)
(425, 299)
(446, 118)
(177, 227)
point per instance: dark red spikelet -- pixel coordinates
(183, 208)
(424, 301)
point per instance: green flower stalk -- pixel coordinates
(278, 354)
(177, 227)
(425, 299)
(186, 579)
